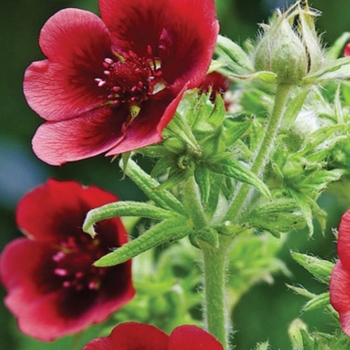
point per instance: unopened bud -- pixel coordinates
(290, 47)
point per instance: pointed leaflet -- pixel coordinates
(232, 168)
(166, 231)
(233, 55)
(321, 269)
(126, 208)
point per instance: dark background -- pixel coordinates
(266, 310)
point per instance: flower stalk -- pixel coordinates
(264, 151)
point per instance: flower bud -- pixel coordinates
(290, 47)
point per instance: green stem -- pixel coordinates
(264, 151)
(216, 317)
(214, 263)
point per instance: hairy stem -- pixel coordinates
(215, 306)
(264, 151)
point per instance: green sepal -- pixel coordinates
(202, 177)
(321, 269)
(332, 70)
(232, 168)
(233, 55)
(319, 301)
(125, 208)
(216, 182)
(264, 76)
(149, 186)
(181, 128)
(166, 231)
(302, 291)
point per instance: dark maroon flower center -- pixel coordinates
(129, 80)
(73, 263)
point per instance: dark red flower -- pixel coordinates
(112, 85)
(340, 278)
(347, 50)
(132, 336)
(53, 289)
(216, 83)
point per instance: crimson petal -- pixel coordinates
(343, 245)
(75, 42)
(340, 294)
(85, 136)
(131, 336)
(188, 337)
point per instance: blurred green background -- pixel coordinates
(264, 312)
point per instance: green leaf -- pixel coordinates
(293, 109)
(278, 216)
(232, 168)
(149, 186)
(233, 55)
(202, 177)
(126, 208)
(319, 301)
(234, 129)
(166, 231)
(305, 208)
(321, 269)
(179, 127)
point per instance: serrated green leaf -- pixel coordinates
(166, 231)
(232, 168)
(321, 269)
(126, 208)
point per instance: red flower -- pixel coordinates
(53, 289)
(340, 278)
(112, 85)
(132, 336)
(347, 50)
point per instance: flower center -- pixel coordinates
(73, 263)
(129, 80)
